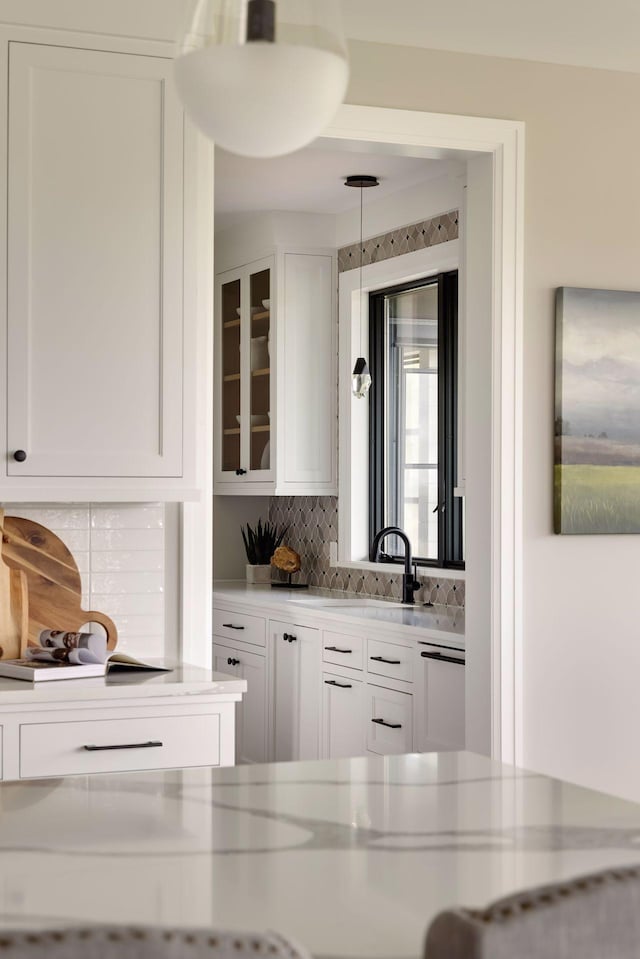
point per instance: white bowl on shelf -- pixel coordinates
(259, 353)
(238, 311)
(266, 304)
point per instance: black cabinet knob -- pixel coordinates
(240, 472)
(285, 637)
(233, 662)
(19, 456)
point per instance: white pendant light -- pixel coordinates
(361, 376)
(262, 78)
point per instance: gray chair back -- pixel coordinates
(109, 942)
(593, 917)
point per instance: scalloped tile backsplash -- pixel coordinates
(313, 525)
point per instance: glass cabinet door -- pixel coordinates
(231, 344)
(260, 371)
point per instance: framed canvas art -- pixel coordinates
(597, 414)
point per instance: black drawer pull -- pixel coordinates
(381, 659)
(153, 743)
(231, 626)
(381, 722)
(289, 638)
(332, 682)
(233, 662)
(336, 649)
(441, 658)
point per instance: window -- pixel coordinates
(413, 418)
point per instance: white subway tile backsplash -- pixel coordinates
(127, 561)
(127, 517)
(119, 550)
(127, 582)
(119, 604)
(57, 519)
(140, 625)
(127, 539)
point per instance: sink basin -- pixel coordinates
(350, 603)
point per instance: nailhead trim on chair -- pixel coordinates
(120, 935)
(500, 912)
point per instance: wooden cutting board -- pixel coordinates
(14, 611)
(52, 579)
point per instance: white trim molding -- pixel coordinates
(442, 136)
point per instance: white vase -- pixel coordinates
(258, 574)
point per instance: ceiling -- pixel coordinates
(581, 32)
(310, 181)
(591, 33)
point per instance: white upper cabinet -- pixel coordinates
(98, 338)
(276, 376)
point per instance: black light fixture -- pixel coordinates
(361, 376)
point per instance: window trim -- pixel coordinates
(449, 517)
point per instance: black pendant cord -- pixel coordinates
(261, 21)
(361, 252)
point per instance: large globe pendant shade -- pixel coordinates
(262, 77)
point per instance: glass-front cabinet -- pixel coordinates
(275, 416)
(243, 316)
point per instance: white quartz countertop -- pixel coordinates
(182, 680)
(351, 857)
(443, 624)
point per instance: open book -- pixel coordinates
(61, 655)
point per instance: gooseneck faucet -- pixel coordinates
(410, 582)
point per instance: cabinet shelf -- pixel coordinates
(232, 432)
(260, 429)
(261, 316)
(264, 372)
(231, 377)
(231, 323)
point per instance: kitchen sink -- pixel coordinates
(350, 603)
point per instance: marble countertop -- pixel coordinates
(444, 624)
(182, 680)
(351, 857)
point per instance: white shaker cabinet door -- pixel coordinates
(440, 719)
(251, 711)
(297, 656)
(343, 716)
(307, 375)
(95, 264)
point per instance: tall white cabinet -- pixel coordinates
(100, 331)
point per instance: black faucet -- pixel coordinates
(410, 582)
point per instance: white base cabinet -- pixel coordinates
(336, 691)
(389, 721)
(238, 659)
(297, 662)
(440, 707)
(343, 714)
(74, 739)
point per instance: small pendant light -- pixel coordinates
(262, 77)
(361, 376)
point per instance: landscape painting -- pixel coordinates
(597, 417)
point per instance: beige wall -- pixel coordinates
(582, 594)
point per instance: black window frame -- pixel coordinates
(450, 520)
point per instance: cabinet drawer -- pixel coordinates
(389, 721)
(342, 649)
(387, 659)
(160, 742)
(249, 629)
